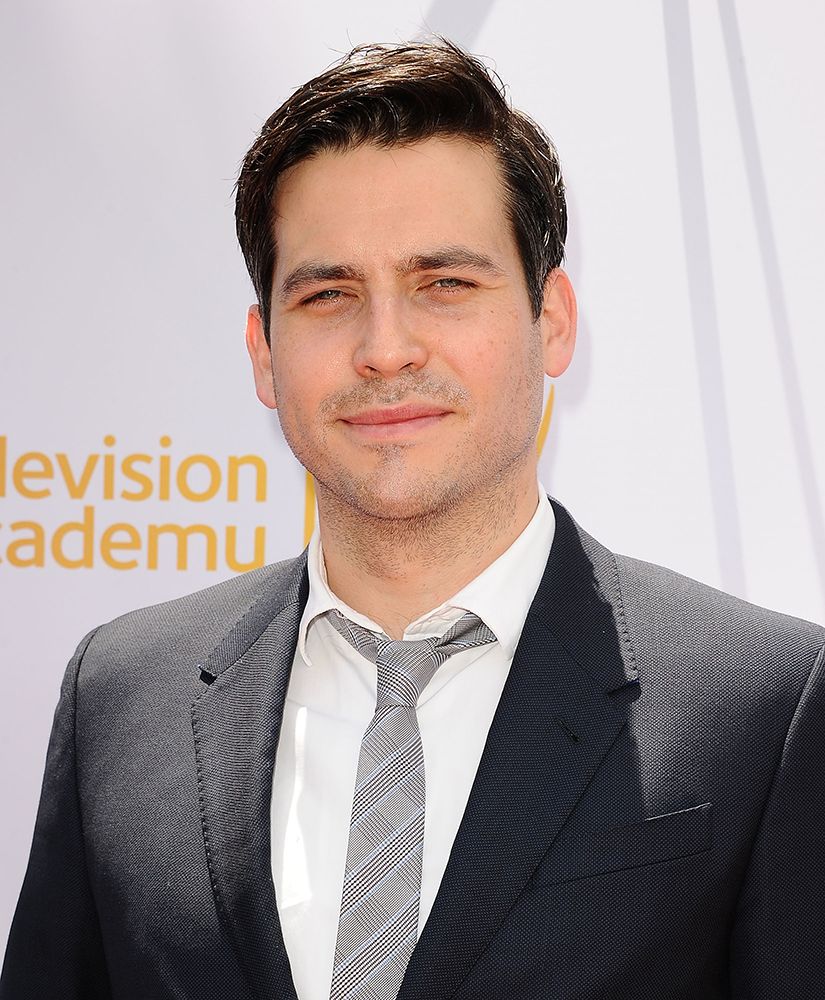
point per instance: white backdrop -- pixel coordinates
(687, 432)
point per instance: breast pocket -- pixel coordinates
(652, 841)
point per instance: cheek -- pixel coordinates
(514, 392)
(503, 364)
(293, 367)
(304, 380)
(294, 390)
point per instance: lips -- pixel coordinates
(395, 415)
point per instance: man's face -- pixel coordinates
(405, 363)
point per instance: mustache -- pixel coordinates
(424, 387)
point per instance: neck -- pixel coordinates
(393, 570)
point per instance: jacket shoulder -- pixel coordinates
(674, 618)
(184, 631)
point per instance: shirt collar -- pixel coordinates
(500, 595)
(321, 599)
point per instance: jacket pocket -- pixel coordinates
(649, 842)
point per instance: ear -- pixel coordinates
(558, 322)
(261, 357)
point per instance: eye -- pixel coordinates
(325, 295)
(451, 284)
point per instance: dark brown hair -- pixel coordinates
(395, 95)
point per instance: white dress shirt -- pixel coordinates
(330, 701)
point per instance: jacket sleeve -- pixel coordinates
(54, 950)
(778, 942)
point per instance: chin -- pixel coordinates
(396, 498)
(391, 506)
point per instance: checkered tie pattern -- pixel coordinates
(378, 925)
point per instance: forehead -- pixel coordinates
(372, 200)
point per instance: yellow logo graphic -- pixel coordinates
(109, 477)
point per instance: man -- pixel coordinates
(457, 748)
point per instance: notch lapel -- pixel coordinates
(236, 723)
(555, 722)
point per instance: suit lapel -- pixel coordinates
(555, 721)
(236, 723)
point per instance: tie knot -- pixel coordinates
(406, 666)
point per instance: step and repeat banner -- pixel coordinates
(135, 461)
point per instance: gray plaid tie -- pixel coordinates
(378, 925)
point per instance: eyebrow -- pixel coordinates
(450, 256)
(313, 272)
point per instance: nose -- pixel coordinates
(388, 341)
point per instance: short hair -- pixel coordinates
(396, 95)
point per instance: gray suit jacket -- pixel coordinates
(647, 820)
